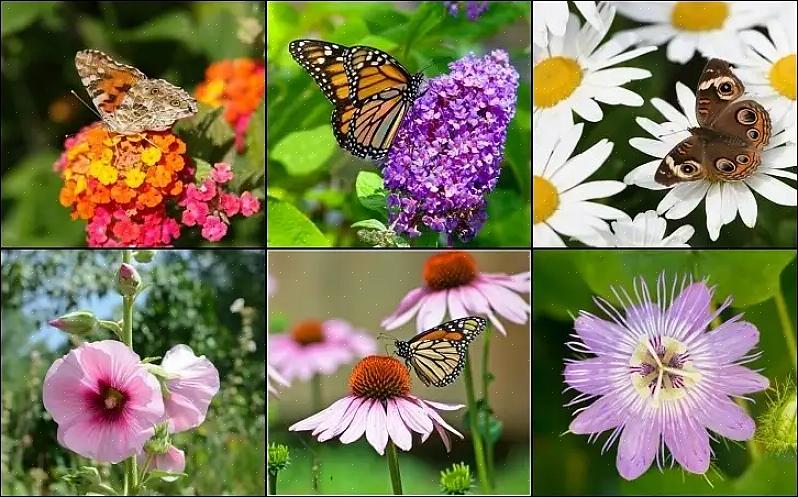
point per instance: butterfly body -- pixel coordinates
(371, 92)
(732, 132)
(127, 101)
(438, 354)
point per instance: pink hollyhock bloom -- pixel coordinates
(221, 172)
(250, 204)
(105, 403)
(272, 374)
(452, 282)
(173, 461)
(660, 378)
(193, 383)
(380, 405)
(316, 347)
(213, 228)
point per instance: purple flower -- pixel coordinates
(473, 9)
(659, 375)
(448, 151)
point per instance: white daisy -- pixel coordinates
(724, 199)
(553, 16)
(768, 72)
(572, 73)
(559, 198)
(646, 230)
(711, 27)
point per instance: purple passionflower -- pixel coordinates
(660, 376)
(473, 9)
(448, 151)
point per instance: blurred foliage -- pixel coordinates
(188, 302)
(171, 40)
(775, 224)
(564, 282)
(303, 157)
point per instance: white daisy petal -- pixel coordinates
(760, 43)
(564, 148)
(575, 223)
(544, 236)
(616, 96)
(683, 199)
(588, 109)
(686, 100)
(656, 34)
(591, 190)
(616, 76)
(646, 11)
(654, 148)
(728, 203)
(681, 49)
(590, 13)
(679, 237)
(670, 113)
(713, 207)
(773, 190)
(782, 174)
(643, 176)
(746, 203)
(581, 166)
(622, 57)
(777, 33)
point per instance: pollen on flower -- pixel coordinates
(782, 76)
(449, 270)
(699, 16)
(545, 200)
(555, 79)
(307, 332)
(379, 377)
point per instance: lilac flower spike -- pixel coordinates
(448, 151)
(660, 378)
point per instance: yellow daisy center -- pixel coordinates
(699, 16)
(545, 199)
(554, 80)
(782, 76)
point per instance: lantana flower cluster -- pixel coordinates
(239, 86)
(448, 151)
(126, 185)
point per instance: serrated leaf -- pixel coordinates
(288, 227)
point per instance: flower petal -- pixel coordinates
(432, 310)
(637, 447)
(396, 427)
(603, 414)
(376, 428)
(688, 442)
(407, 308)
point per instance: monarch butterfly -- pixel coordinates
(370, 90)
(438, 354)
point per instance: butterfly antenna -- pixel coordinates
(87, 105)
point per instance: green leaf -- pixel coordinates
(748, 276)
(19, 15)
(509, 221)
(370, 224)
(303, 152)
(165, 475)
(218, 39)
(175, 25)
(288, 226)
(371, 193)
(558, 289)
(203, 169)
(207, 134)
(256, 148)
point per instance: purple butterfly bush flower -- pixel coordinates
(448, 151)
(659, 376)
(473, 9)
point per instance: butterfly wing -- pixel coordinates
(324, 62)
(376, 123)
(684, 163)
(717, 88)
(106, 81)
(372, 71)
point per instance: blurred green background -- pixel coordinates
(565, 282)
(311, 189)
(363, 288)
(775, 224)
(171, 40)
(188, 302)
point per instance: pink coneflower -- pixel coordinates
(272, 374)
(451, 281)
(317, 347)
(192, 384)
(380, 405)
(660, 376)
(105, 403)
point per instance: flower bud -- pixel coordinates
(77, 323)
(143, 256)
(127, 280)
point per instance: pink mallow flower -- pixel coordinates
(105, 403)
(452, 281)
(659, 378)
(380, 405)
(316, 347)
(173, 461)
(192, 383)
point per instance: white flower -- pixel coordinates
(647, 230)
(724, 199)
(560, 199)
(768, 72)
(553, 16)
(711, 27)
(572, 73)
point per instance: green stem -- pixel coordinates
(316, 467)
(272, 483)
(131, 473)
(786, 325)
(393, 468)
(476, 439)
(485, 389)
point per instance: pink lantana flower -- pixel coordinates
(192, 383)
(660, 379)
(105, 403)
(380, 405)
(452, 282)
(316, 347)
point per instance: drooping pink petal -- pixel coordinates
(518, 282)
(637, 447)
(376, 429)
(431, 311)
(396, 427)
(414, 416)
(342, 423)
(358, 425)
(476, 303)
(506, 302)
(191, 392)
(688, 442)
(457, 308)
(407, 307)
(333, 415)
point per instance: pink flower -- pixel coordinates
(173, 461)
(315, 347)
(380, 405)
(272, 374)
(249, 204)
(213, 228)
(230, 204)
(221, 172)
(194, 384)
(105, 403)
(452, 281)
